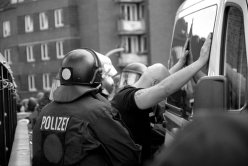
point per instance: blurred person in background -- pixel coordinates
(211, 139)
(24, 105)
(18, 103)
(32, 105)
(43, 101)
(39, 95)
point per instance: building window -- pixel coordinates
(46, 81)
(7, 55)
(6, 28)
(134, 44)
(60, 49)
(29, 27)
(141, 13)
(16, 1)
(43, 21)
(29, 53)
(31, 83)
(58, 16)
(13, 1)
(132, 12)
(44, 52)
(142, 44)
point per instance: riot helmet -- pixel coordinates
(81, 67)
(80, 73)
(131, 73)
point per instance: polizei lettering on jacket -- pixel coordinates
(54, 123)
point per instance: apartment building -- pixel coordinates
(35, 34)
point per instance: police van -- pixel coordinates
(223, 85)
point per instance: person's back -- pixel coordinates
(136, 119)
(211, 139)
(78, 130)
(78, 127)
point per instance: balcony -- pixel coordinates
(129, 1)
(127, 58)
(131, 27)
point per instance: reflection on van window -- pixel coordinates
(236, 62)
(195, 26)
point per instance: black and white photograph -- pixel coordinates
(123, 83)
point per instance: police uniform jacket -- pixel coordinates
(82, 132)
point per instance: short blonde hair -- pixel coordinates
(154, 74)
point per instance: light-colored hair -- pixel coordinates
(153, 75)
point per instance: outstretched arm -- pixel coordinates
(148, 97)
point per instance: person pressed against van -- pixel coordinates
(156, 83)
(78, 126)
(130, 75)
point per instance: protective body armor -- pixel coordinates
(83, 132)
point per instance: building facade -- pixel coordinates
(36, 34)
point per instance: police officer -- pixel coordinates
(131, 73)
(78, 127)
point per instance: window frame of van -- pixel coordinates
(6, 28)
(224, 56)
(182, 108)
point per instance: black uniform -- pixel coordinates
(82, 132)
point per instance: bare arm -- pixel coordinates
(148, 97)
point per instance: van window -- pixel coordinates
(195, 26)
(236, 61)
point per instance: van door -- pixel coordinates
(196, 26)
(194, 22)
(234, 53)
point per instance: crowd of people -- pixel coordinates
(96, 117)
(33, 106)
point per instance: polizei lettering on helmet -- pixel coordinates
(54, 123)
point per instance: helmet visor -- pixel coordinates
(107, 66)
(128, 78)
(55, 85)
